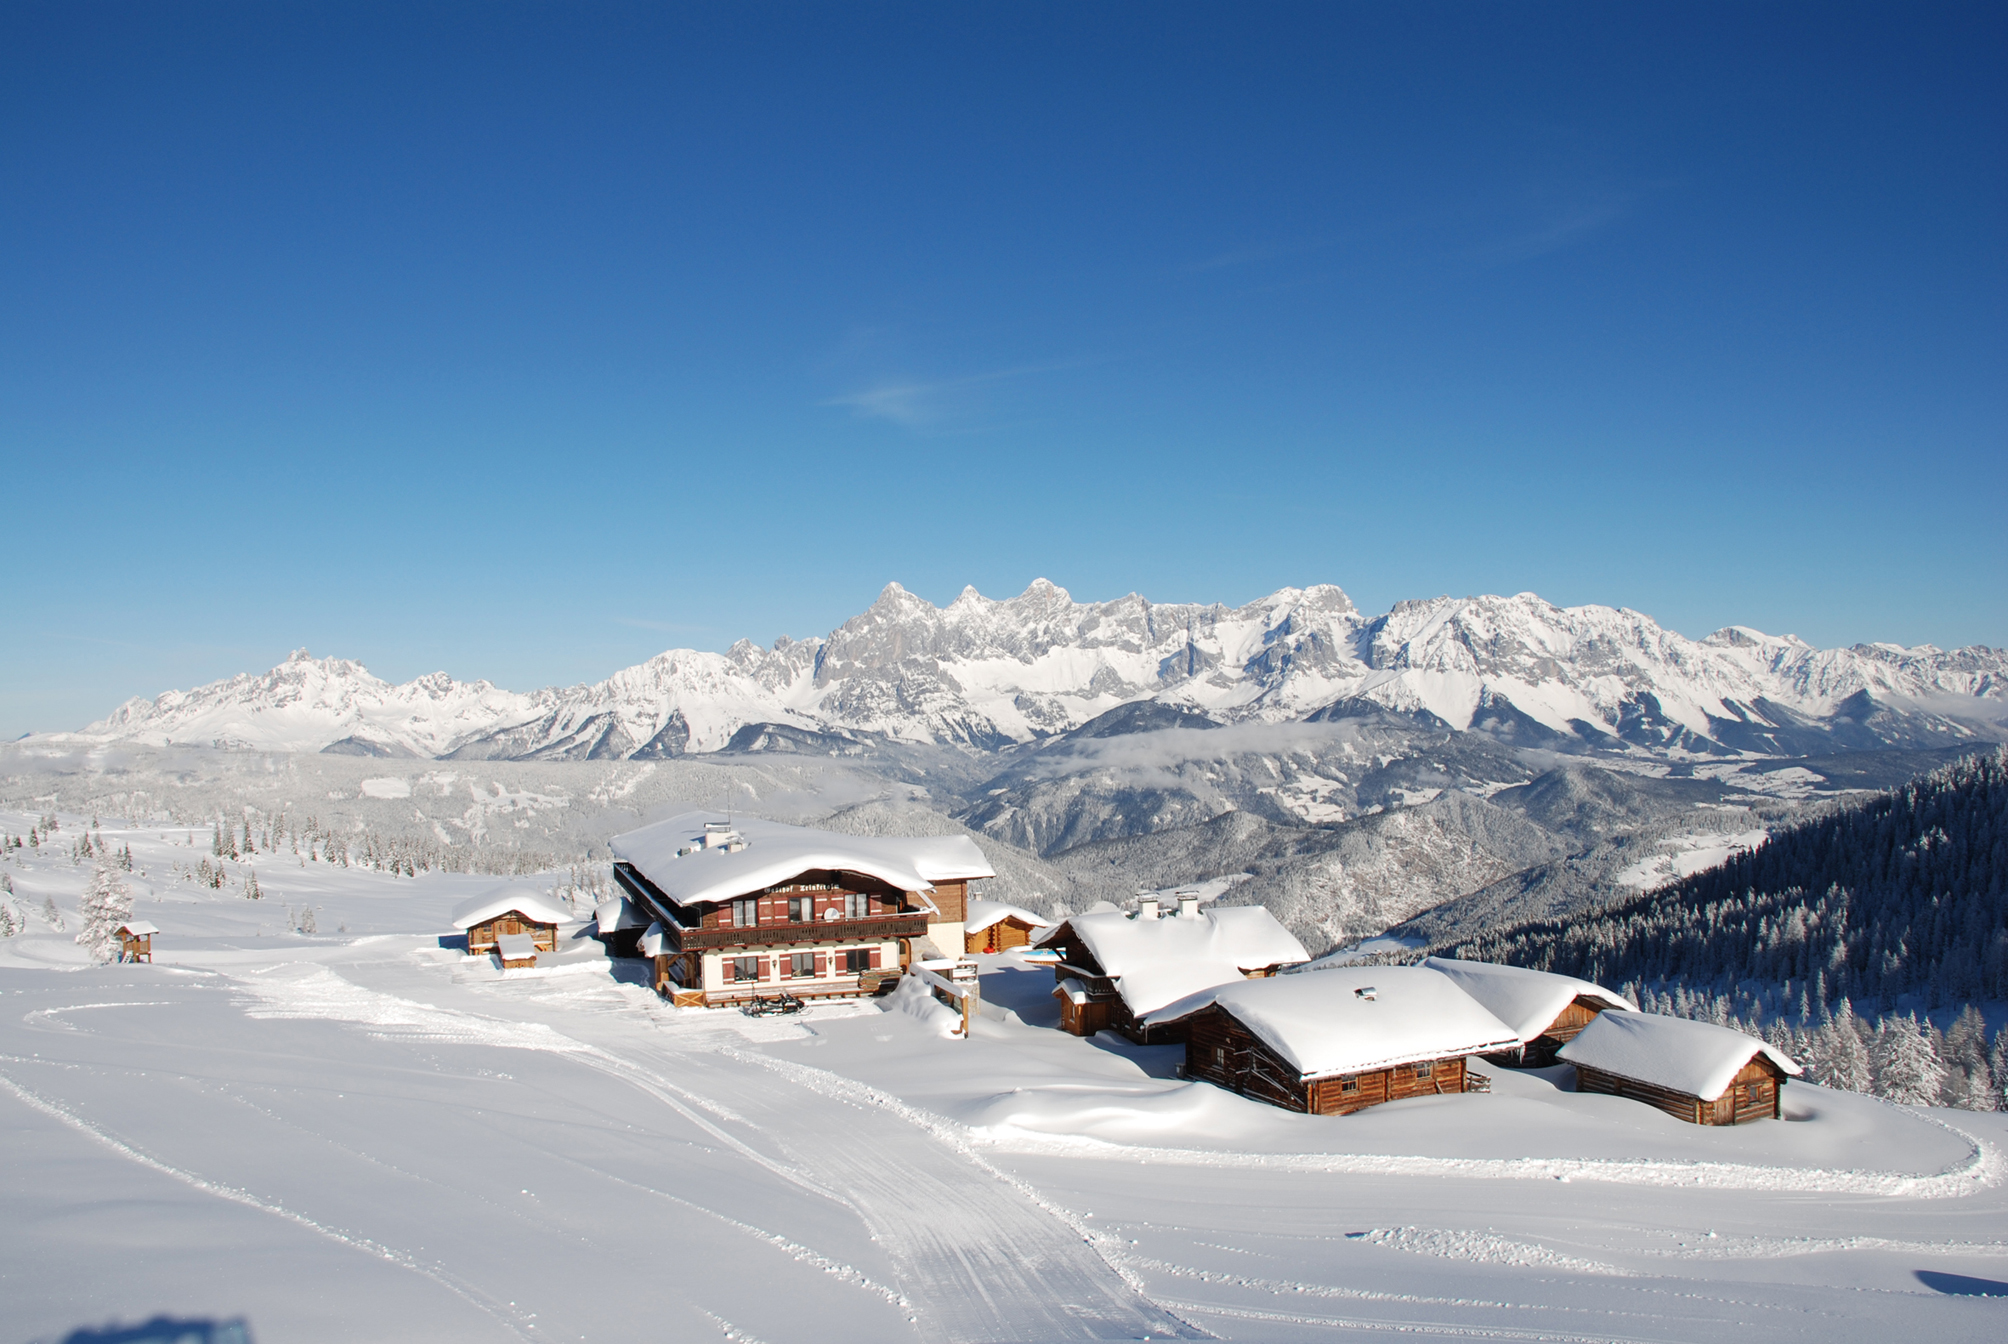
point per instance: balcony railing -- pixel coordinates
(906, 925)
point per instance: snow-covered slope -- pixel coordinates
(984, 673)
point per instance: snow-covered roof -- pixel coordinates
(137, 927)
(1698, 1058)
(655, 941)
(774, 852)
(982, 914)
(1156, 961)
(1323, 1025)
(517, 947)
(528, 901)
(1527, 1001)
(616, 913)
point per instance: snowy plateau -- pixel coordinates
(313, 1118)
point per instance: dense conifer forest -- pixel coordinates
(1855, 924)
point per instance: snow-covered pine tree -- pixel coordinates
(125, 858)
(52, 914)
(216, 841)
(1969, 1082)
(1907, 1069)
(7, 926)
(1997, 1065)
(252, 891)
(107, 904)
(1840, 1057)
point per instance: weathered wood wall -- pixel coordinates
(481, 938)
(1752, 1096)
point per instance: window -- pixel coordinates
(801, 909)
(802, 964)
(745, 968)
(1425, 1070)
(857, 905)
(1220, 1056)
(857, 960)
(746, 913)
(1349, 1084)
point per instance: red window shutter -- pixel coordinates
(874, 956)
(822, 964)
(766, 969)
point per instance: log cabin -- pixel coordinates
(1117, 967)
(754, 908)
(516, 950)
(1335, 1041)
(1545, 1010)
(993, 926)
(511, 910)
(1694, 1071)
(136, 940)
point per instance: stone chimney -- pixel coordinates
(1188, 905)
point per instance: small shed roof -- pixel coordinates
(1527, 1001)
(534, 905)
(617, 912)
(1351, 1019)
(1158, 961)
(982, 914)
(1697, 1058)
(774, 852)
(517, 947)
(655, 942)
(138, 928)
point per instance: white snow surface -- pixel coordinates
(981, 670)
(1698, 1058)
(539, 906)
(982, 914)
(1527, 1001)
(1158, 961)
(775, 851)
(1347, 1019)
(364, 1134)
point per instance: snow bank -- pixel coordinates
(1354, 1018)
(1698, 1058)
(1527, 1001)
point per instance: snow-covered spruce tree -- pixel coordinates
(7, 926)
(107, 904)
(1840, 1056)
(1969, 1081)
(1997, 1065)
(252, 891)
(1907, 1069)
(52, 914)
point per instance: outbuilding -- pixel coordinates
(993, 926)
(511, 910)
(517, 950)
(136, 940)
(1694, 1071)
(1545, 1010)
(1117, 967)
(1335, 1041)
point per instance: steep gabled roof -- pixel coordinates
(1527, 1001)
(982, 914)
(1697, 1058)
(527, 901)
(775, 852)
(1323, 1025)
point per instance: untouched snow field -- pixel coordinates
(367, 1135)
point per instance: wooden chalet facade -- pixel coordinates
(1545, 1010)
(511, 912)
(992, 926)
(1113, 968)
(762, 909)
(136, 940)
(1336, 1041)
(1694, 1071)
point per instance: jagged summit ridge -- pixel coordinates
(982, 672)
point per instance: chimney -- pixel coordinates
(1188, 905)
(1146, 908)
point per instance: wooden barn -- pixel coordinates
(993, 926)
(1335, 1041)
(1117, 967)
(136, 940)
(1544, 1010)
(509, 911)
(1694, 1071)
(749, 909)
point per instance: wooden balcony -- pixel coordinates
(875, 928)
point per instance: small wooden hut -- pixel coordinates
(136, 940)
(1336, 1041)
(1545, 1010)
(511, 911)
(993, 926)
(1694, 1071)
(517, 950)
(1115, 968)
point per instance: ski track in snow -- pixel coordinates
(513, 1322)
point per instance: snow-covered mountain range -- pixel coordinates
(981, 673)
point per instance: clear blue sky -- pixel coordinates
(525, 341)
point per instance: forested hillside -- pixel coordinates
(1890, 908)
